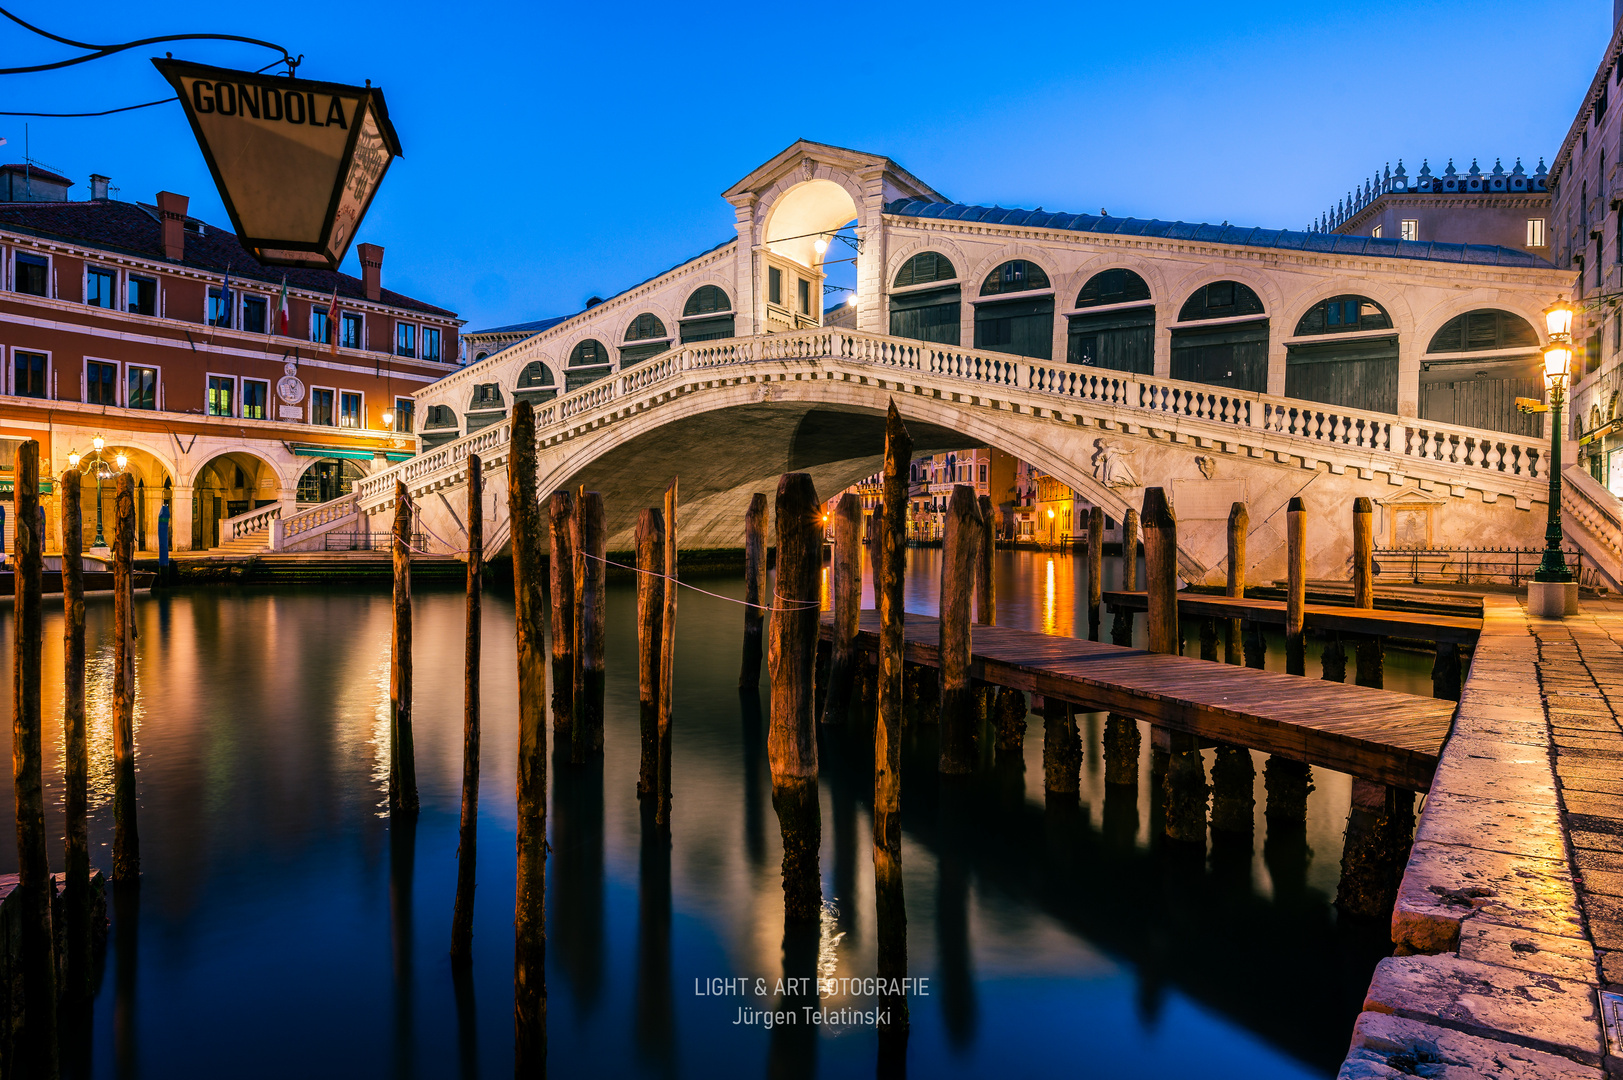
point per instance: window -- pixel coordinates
(351, 327)
(101, 288)
(706, 300)
(588, 353)
(1535, 232)
(1113, 287)
(1016, 275)
(143, 296)
(1481, 330)
(405, 410)
(219, 311)
(1376, 232)
(1221, 300)
(405, 339)
(222, 389)
(321, 407)
(1600, 103)
(924, 268)
(320, 326)
(431, 343)
(1409, 229)
(140, 387)
(774, 285)
(255, 314)
(805, 296)
(31, 274)
(644, 326)
(255, 393)
(101, 383)
(1343, 315)
(349, 410)
(983, 474)
(28, 374)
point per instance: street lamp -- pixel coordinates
(104, 470)
(1557, 369)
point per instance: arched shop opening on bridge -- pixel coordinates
(1345, 353)
(1114, 324)
(1475, 368)
(1222, 338)
(226, 486)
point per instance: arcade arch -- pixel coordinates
(228, 485)
(1114, 326)
(1476, 365)
(1351, 359)
(1233, 350)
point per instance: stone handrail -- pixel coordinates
(317, 516)
(1586, 502)
(1339, 431)
(253, 521)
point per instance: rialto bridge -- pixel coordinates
(1112, 353)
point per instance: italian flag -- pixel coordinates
(281, 309)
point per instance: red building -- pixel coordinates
(160, 334)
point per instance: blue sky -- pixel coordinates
(553, 151)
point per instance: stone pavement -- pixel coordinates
(1509, 920)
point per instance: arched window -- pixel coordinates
(1121, 339)
(486, 406)
(1118, 286)
(923, 268)
(1016, 275)
(648, 329)
(588, 362)
(926, 314)
(439, 416)
(327, 479)
(703, 318)
(480, 356)
(1343, 315)
(535, 383)
(1233, 354)
(1481, 330)
(1477, 391)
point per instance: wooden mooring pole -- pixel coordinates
(890, 532)
(985, 577)
(1380, 822)
(1062, 751)
(402, 759)
(1370, 652)
(959, 715)
(126, 831)
(76, 960)
(586, 735)
(1296, 587)
(467, 850)
(529, 616)
(791, 663)
(1096, 569)
(667, 658)
(650, 642)
(846, 585)
(38, 1050)
(755, 594)
(561, 574)
(1239, 524)
(1121, 628)
(1184, 785)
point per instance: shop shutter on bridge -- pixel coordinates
(1233, 355)
(1357, 374)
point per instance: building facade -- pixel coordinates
(161, 335)
(931, 480)
(1508, 209)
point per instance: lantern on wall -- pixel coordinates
(296, 161)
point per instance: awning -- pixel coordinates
(7, 485)
(1599, 433)
(351, 452)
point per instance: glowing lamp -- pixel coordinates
(1050, 515)
(1557, 363)
(73, 459)
(122, 460)
(388, 418)
(851, 301)
(820, 245)
(98, 442)
(1558, 319)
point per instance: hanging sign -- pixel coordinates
(296, 161)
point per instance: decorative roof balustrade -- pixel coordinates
(1476, 182)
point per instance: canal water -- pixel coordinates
(284, 927)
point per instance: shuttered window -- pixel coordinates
(1021, 327)
(1358, 374)
(1117, 286)
(631, 354)
(927, 315)
(707, 329)
(587, 353)
(924, 268)
(1481, 330)
(1016, 275)
(1232, 355)
(1118, 341)
(705, 300)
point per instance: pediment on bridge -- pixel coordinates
(1409, 518)
(799, 161)
(1412, 496)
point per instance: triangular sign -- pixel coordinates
(296, 161)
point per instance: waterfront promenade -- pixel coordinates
(1509, 921)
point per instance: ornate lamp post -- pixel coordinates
(104, 470)
(1552, 570)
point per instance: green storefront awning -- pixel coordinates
(8, 485)
(353, 453)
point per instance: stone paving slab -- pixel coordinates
(1386, 1047)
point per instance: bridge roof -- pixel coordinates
(1330, 243)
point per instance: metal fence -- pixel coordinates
(365, 540)
(1469, 565)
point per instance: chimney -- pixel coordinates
(98, 185)
(172, 209)
(372, 271)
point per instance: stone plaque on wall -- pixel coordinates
(1410, 519)
(1206, 500)
(291, 412)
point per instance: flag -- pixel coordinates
(225, 299)
(281, 308)
(332, 320)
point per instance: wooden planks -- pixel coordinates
(1374, 621)
(1375, 735)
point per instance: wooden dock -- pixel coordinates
(1375, 735)
(1375, 622)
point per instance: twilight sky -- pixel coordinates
(553, 151)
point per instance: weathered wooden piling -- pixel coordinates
(1062, 750)
(1233, 784)
(1239, 524)
(1010, 719)
(1185, 790)
(756, 599)
(985, 578)
(1445, 672)
(1096, 569)
(1161, 571)
(1296, 587)
(891, 534)
(36, 953)
(126, 830)
(1121, 747)
(561, 579)
(402, 757)
(1333, 659)
(76, 959)
(1208, 638)
(791, 662)
(529, 617)
(1287, 784)
(467, 849)
(590, 544)
(959, 545)
(1370, 651)
(1380, 822)
(1121, 629)
(667, 658)
(650, 642)
(846, 584)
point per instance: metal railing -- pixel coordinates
(366, 540)
(1470, 565)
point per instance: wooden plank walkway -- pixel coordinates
(1373, 734)
(1387, 597)
(1419, 626)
